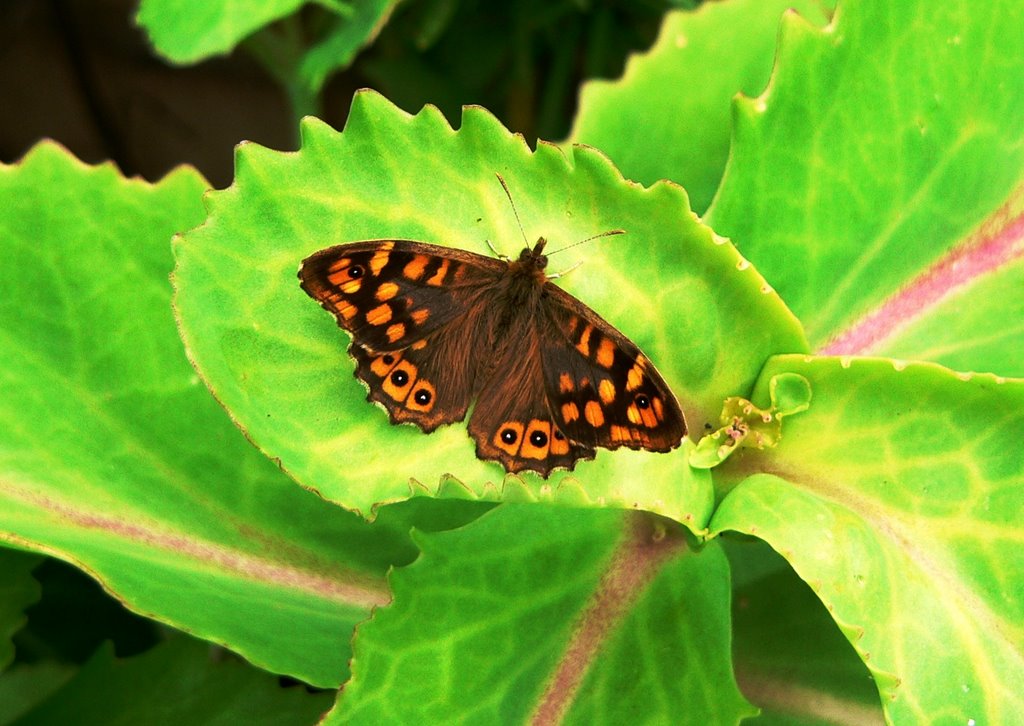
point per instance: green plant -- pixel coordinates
(874, 189)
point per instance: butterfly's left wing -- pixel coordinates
(413, 311)
(391, 294)
(601, 389)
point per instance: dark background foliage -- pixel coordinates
(82, 72)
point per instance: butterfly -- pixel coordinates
(435, 328)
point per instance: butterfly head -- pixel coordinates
(534, 259)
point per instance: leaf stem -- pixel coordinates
(280, 50)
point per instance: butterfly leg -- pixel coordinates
(563, 273)
(503, 258)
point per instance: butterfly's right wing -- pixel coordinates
(602, 391)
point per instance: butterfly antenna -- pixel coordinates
(609, 233)
(514, 210)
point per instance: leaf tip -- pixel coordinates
(515, 489)
(450, 487)
(483, 127)
(367, 107)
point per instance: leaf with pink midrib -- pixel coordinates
(877, 182)
(536, 614)
(955, 311)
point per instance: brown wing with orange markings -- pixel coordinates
(512, 423)
(433, 328)
(412, 310)
(392, 293)
(601, 389)
(427, 384)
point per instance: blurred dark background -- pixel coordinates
(82, 72)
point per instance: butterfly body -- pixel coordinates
(434, 329)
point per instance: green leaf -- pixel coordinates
(115, 458)
(745, 425)
(24, 686)
(791, 659)
(979, 325)
(300, 52)
(538, 614)
(679, 93)
(347, 35)
(178, 682)
(184, 31)
(278, 362)
(790, 394)
(876, 184)
(899, 497)
(18, 590)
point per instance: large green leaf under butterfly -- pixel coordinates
(683, 295)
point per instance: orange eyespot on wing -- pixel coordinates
(412, 385)
(512, 424)
(535, 444)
